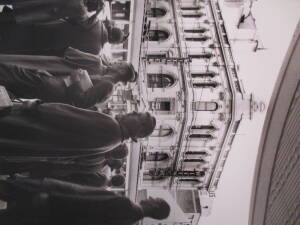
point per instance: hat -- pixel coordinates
(126, 71)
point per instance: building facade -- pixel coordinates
(188, 80)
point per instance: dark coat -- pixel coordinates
(72, 60)
(53, 38)
(27, 83)
(66, 204)
(37, 11)
(57, 133)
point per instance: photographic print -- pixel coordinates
(149, 112)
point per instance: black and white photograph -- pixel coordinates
(149, 112)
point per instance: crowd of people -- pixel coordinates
(54, 146)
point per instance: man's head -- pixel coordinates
(156, 208)
(119, 152)
(123, 72)
(139, 125)
(115, 35)
(114, 164)
(117, 180)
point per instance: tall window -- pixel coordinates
(204, 106)
(209, 74)
(205, 85)
(204, 136)
(194, 160)
(156, 156)
(158, 35)
(156, 55)
(120, 11)
(194, 15)
(196, 153)
(159, 80)
(201, 38)
(192, 8)
(206, 55)
(156, 12)
(202, 127)
(161, 106)
(162, 131)
(196, 30)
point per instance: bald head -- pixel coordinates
(156, 208)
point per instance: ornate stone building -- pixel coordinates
(188, 80)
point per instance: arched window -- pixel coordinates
(162, 131)
(156, 156)
(149, 177)
(203, 127)
(204, 136)
(204, 106)
(158, 35)
(209, 74)
(157, 174)
(205, 85)
(201, 38)
(206, 55)
(159, 80)
(156, 12)
(196, 30)
(196, 15)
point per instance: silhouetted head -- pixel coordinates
(119, 152)
(156, 208)
(114, 164)
(115, 35)
(138, 125)
(117, 180)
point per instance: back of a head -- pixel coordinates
(117, 180)
(115, 36)
(114, 163)
(147, 126)
(120, 152)
(160, 209)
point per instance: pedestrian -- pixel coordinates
(53, 202)
(77, 88)
(52, 39)
(39, 11)
(59, 133)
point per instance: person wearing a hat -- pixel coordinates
(62, 135)
(52, 39)
(78, 88)
(54, 202)
(39, 11)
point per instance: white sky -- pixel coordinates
(276, 21)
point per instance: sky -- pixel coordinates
(276, 21)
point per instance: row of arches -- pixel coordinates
(164, 80)
(163, 156)
(166, 130)
(162, 35)
(186, 12)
